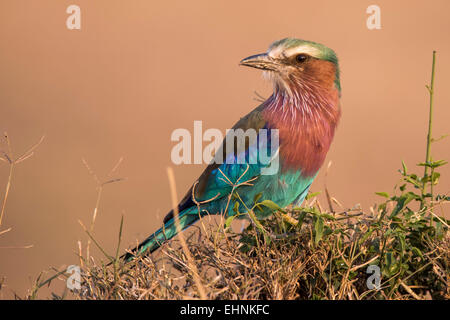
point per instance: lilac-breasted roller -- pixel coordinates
(304, 108)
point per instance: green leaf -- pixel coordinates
(417, 252)
(439, 230)
(440, 197)
(327, 216)
(301, 217)
(257, 197)
(435, 177)
(440, 138)
(413, 180)
(327, 231)
(433, 164)
(402, 201)
(271, 205)
(312, 195)
(401, 239)
(318, 228)
(388, 262)
(383, 194)
(236, 207)
(228, 221)
(405, 170)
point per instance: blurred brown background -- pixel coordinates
(139, 69)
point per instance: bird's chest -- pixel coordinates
(303, 143)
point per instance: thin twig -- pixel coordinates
(330, 203)
(9, 157)
(409, 290)
(100, 185)
(429, 135)
(186, 251)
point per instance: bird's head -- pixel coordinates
(294, 65)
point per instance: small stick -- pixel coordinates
(330, 203)
(409, 290)
(186, 251)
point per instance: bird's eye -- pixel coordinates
(301, 57)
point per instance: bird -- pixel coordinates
(303, 110)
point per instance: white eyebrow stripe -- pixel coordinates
(278, 51)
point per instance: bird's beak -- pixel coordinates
(260, 61)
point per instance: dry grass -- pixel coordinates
(295, 263)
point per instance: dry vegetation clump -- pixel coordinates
(324, 256)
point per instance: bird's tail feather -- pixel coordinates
(169, 230)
